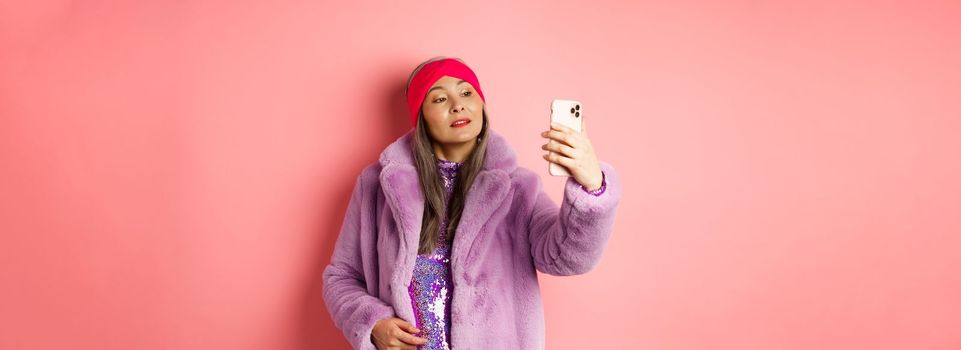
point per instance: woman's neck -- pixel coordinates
(454, 152)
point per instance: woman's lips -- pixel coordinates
(455, 125)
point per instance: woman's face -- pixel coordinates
(450, 102)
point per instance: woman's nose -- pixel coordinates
(458, 107)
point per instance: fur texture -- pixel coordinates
(510, 230)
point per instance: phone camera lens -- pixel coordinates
(578, 107)
(572, 110)
(578, 114)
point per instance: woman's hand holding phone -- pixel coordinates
(573, 150)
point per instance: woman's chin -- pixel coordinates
(460, 135)
(459, 138)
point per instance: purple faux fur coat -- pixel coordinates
(510, 227)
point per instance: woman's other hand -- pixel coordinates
(395, 333)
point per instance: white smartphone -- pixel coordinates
(568, 113)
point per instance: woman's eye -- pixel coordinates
(467, 93)
(439, 99)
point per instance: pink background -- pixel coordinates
(175, 172)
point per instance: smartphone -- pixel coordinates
(568, 113)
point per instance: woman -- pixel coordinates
(444, 234)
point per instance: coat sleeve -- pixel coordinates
(346, 292)
(570, 241)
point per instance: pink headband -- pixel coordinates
(429, 74)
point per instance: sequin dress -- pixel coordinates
(431, 284)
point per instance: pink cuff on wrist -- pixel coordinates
(598, 191)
